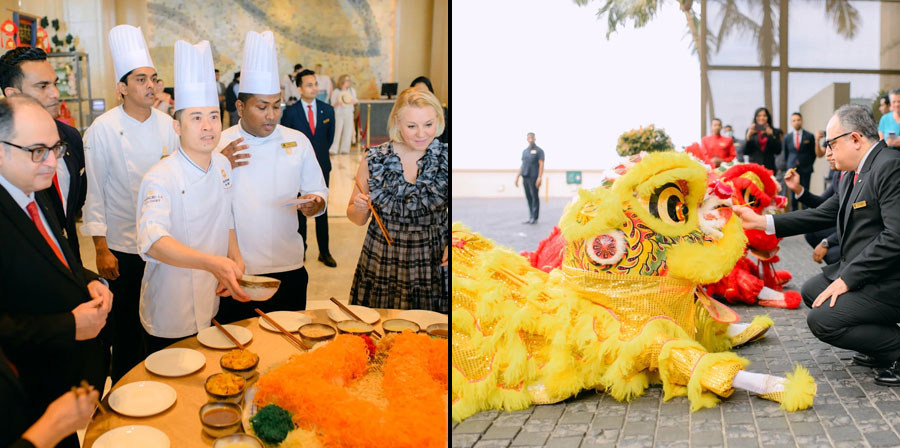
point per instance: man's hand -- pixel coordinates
(107, 264)
(309, 209)
(750, 219)
(819, 253)
(768, 129)
(792, 180)
(517, 181)
(236, 159)
(99, 291)
(717, 161)
(833, 290)
(537, 182)
(227, 272)
(90, 318)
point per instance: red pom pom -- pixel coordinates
(792, 299)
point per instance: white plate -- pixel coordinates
(368, 315)
(175, 362)
(142, 398)
(424, 317)
(289, 320)
(213, 338)
(134, 436)
(296, 202)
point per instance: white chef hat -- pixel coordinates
(129, 50)
(259, 69)
(195, 77)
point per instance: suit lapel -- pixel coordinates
(20, 219)
(862, 183)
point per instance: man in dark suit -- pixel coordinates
(321, 135)
(825, 243)
(52, 309)
(854, 302)
(26, 70)
(799, 153)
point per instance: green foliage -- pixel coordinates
(647, 139)
(44, 22)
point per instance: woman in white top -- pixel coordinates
(343, 98)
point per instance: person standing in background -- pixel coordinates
(231, 93)
(325, 85)
(799, 153)
(763, 140)
(120, 147)
(315, 119)
(884, 104)
(220, 91)
(889, 125)
(718, 148)
(289, 94)
(343, 98)
(531, 172)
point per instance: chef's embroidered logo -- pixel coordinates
(226, 181)
(152, 197)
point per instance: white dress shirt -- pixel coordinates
(64, 180)
(281, 166)
(118, 151)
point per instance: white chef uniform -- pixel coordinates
(281, 166)
(189, 203)
(118, 151)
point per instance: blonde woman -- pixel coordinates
(406, 182)
(343, 98)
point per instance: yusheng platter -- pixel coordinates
(352, 392)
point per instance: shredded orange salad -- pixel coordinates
(313, 386)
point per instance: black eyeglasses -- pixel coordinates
(829, 142)
(39, 153)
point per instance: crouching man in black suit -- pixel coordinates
(854, 301)
(52, 310)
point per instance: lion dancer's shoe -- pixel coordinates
(796, 392)
(740, 334)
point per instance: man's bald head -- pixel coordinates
(24, 126)
(8, 107)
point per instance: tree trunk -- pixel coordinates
(695, 34)
(766, 43)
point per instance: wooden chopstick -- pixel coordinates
(350, 313)
(290, 336)
(387, 236)
(227, 334)
(88, 387)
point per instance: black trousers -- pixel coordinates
(321, 225)
(291, 296)
(128, 348)
(857, 322)
(531, 194)
(814, 238)
(804, 181)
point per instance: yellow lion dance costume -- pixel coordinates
(625, 309)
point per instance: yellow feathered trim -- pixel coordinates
(594, 212)
(799, 390)
(712, 335)
(708, 262)
(624, 379)
(698, 398)
(757, 328)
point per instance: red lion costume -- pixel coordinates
(756, 282)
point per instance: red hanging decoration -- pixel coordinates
(9, 28)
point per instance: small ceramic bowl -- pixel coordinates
(245, 439)
(313, 333)
(355, 327)
(232, 398)
(399, 325)
(246, 372)
(438, 330)
(220, 418)
(259, 288)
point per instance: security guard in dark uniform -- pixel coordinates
(532, 171)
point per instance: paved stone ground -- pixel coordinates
(850, 410)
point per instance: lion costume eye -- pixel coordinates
(667, 203)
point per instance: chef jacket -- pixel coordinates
(192, 205)
(118, 151)
(281, 166)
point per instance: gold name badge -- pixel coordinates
(859, 204)
(288, 144)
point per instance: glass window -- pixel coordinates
(737, 94)
(739, 27)
(819, 33)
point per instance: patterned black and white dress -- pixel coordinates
(406, 275)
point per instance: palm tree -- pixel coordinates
(844, 16)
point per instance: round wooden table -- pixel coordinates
(181, 422)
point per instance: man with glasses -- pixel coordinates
(52, 310)
(120, 147)
(853, 302)
(26, 70)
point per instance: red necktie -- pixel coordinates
(311, 119)
(855, 178)
(797, 141)
(56, 184)
(33, 212)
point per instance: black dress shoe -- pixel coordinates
(527, 221)
(889, 377)
(870, 361)
(327, 260)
